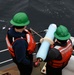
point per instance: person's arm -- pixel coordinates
(72, 40)
(53, 54)
(20, 47)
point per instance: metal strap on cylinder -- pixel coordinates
(47, 39)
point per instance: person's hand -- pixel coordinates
(37, 63)
(41, 40)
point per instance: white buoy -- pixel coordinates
(48, 39)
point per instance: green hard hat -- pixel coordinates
(20, 19)
(62, 33)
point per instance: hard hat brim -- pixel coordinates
(22, 24)
(62, 38)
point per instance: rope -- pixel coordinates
(36, 33)
(47, 39)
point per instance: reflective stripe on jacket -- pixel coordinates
(65, 53)
(29, 38)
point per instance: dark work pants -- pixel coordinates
(53, 71)
(24, 69)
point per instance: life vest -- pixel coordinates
(66, 53)
(30, 40)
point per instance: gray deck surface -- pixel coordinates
(12, 69)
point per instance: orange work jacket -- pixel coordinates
(30, 40)
(66, 53)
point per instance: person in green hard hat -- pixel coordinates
(60, 53)
(20, 43)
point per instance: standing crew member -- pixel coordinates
(21, 43)
(59, 55)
